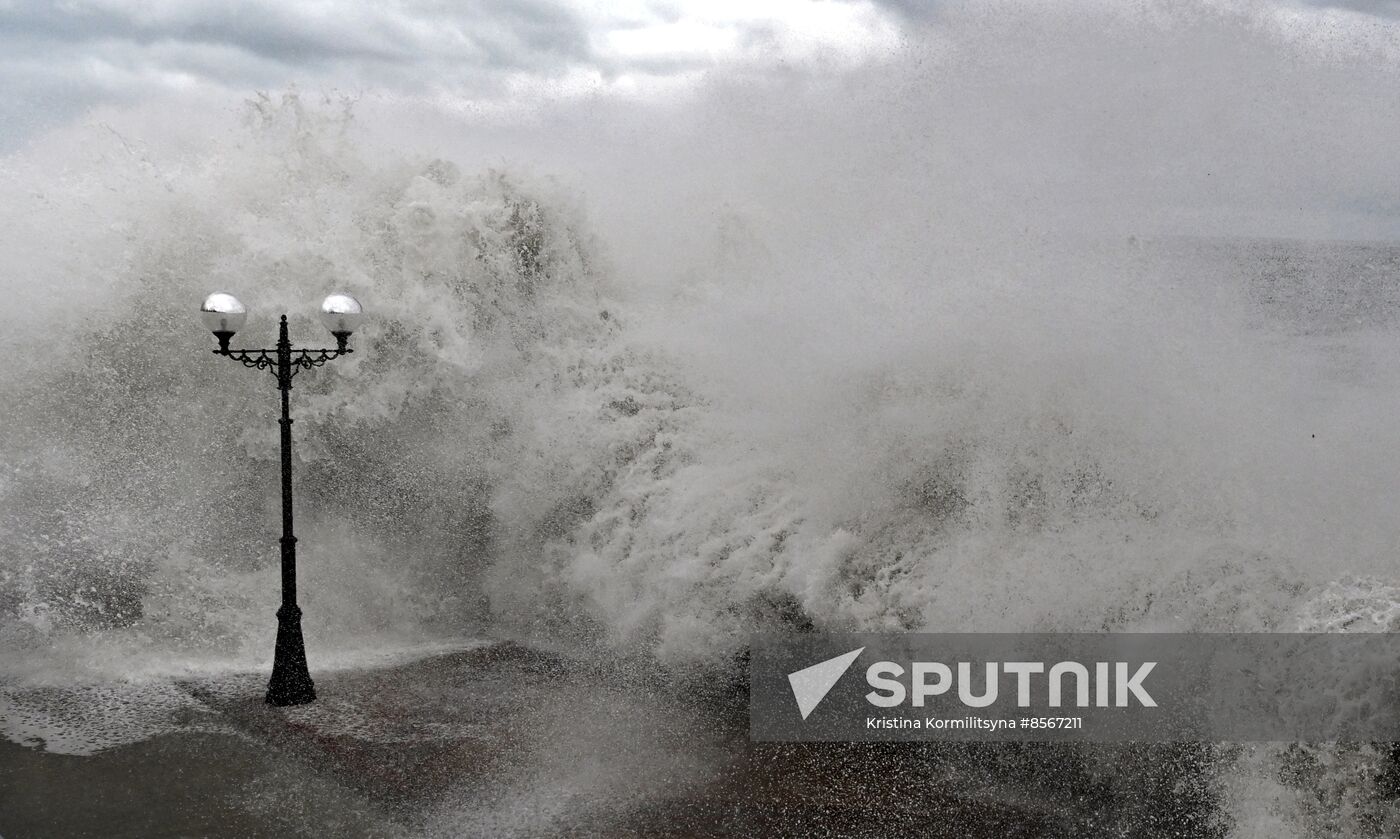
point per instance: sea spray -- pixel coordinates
(139, 469)
(939, 362)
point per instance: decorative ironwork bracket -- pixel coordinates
(299, 360)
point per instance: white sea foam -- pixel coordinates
(870, 349)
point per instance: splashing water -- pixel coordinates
(948, 393)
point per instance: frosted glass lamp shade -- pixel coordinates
(222, 312)
(341, 314)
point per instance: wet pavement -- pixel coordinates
(504, 740)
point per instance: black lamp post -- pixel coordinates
(224, 315)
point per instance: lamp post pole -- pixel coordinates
(291, 680)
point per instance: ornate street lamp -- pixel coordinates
(224, 315)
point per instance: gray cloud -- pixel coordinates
(521, 33)
(920, 11)
(915, 10)
(1380, 8)
(58, 59)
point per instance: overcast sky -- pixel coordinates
(1313, 135)
(59, 58)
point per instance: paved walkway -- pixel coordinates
(497, 741)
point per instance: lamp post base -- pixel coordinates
(291, 681)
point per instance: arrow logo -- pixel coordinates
(810, 685)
